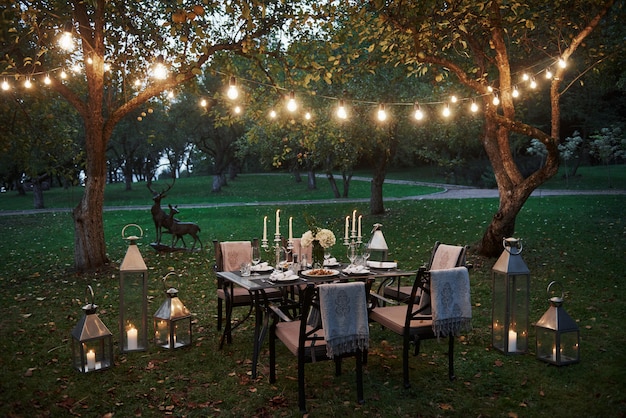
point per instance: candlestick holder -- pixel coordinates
(352, 245)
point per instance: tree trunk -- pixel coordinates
(217, 184)
(37, 195)
(333, 184)
(311, 181)
(347, 177)
(377, 206)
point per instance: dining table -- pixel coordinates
(262, 306)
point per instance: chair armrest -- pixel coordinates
(382, 299)
(279, 313)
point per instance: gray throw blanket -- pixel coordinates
(344, 317)
(450, 301)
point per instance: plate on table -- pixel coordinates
(320, 273)
(262, 269)
(281, 278)
(355, 272)
(385, 265)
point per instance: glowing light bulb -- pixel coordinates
(160, 71)
(548, 73)
(237, 110)
(63, 74)
(233, 92)
(562, 63)
(307, 116)
(418, 114)
(341, 110)
(47, 80)
(382, 113)
(291, 102)
(76, 68)
(525, 77)
(203, 102)
(496, 100)
(66, 41)
(137, 83)
(170, 95)
(5, 85)
(27, 83)
(273, 114)
(474, 107)
(446, 111)
(453, 99)
(89, 60)
(515, 92)
(533, 83)
(489, 89)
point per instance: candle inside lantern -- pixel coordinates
(359, 233)
(512, 341)
(131, 336)
(290, 228)
(554, 353)
(354, 221)
(347, 226)
(277, 221)
(91, 360)
(265, 228)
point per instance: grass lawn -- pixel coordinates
(579, 241)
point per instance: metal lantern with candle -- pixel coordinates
(133, 296)
(172, 321)
(511, 297)
(92, 342)
(377, 244)
(558, 337)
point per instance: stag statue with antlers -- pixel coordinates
(159, 216)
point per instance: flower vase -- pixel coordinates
(317, 255)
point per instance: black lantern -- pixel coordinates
(511, 297)
(558, 338)
(133, 297)
(172, 321)
(92, 342)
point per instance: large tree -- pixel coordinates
(118, 43)
(485, 46)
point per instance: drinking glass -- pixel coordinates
(352, 253)
(256, 258)
(326, 255)
(365, 255)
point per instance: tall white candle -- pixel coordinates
(354, 221)
(265, 228)
(91, 360)
(131, 335)
(359, 234)
(347, 226)
(290, 228)
(512, 341)
(554, 353)
(277, 221)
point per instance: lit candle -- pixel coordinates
(131, 335)
(354, 221)
(554, 353)
(359, 234)
(512, 341)
(91, 360)
(265, 228)
(347, 226)
(277, 221)
(290, 228)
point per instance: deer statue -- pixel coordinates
(179, 229)
(160, 218)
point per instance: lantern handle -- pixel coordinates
(552, 283)
(508, 248)
(165, 279)
(132, 237)
(89, 292)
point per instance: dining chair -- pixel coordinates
(438, 305)
(333, 325)
(442, 256)
(228, 257)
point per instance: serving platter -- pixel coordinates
(320, 273)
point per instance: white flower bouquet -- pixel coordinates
(326, 238)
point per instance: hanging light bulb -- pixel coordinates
(89, 60)
(515, 92)
(382, 113)
(5, 85)
(65, 41)
(562, 63)
(160, 71)
(47, 80)
(496, 100)
(203, 103)
(490, 89)
(446, 111)
(291, 102)
(27, 83)
(474, 106)
(548, 73)
(341, 110)
(237, 110)
(307, 116)
(233, 92)
(525, 77)
(533, 83)
(273, 114)
(63, 74)
(453, 99)
(418, 114)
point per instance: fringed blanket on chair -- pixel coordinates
(343, 308)
(450, 300)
